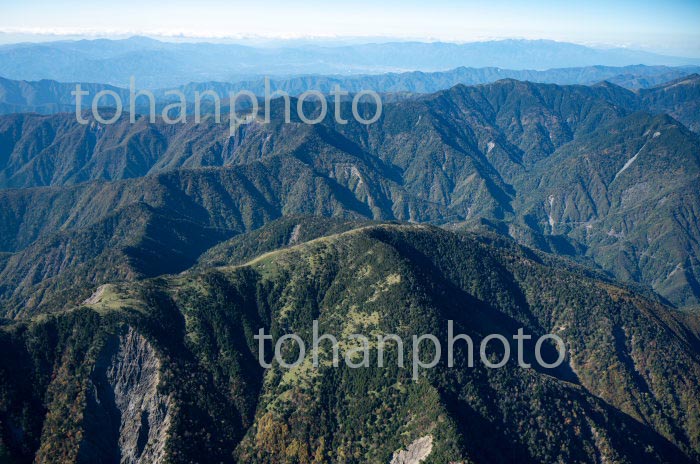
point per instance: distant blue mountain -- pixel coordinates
(164, 64)
(49, 96)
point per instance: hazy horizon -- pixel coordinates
(669, 29)
(14, 38)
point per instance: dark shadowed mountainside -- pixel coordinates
(574, 170)
(166, 369)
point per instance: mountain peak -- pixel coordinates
(142, 39)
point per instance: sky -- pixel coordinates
(669, 27)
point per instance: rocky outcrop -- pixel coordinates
(126, 419)
(415, 453)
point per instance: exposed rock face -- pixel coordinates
(415, 453)
(96, 297)
(294, 238)
(126, 418)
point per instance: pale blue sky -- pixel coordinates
(671, 26)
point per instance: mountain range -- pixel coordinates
(47, 96)
(580, 171)
(558, 193)
(165, 369)
(159, 64)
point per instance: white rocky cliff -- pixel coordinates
(126, 418)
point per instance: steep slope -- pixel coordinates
(67, 238)
(679, 98)
(627, 392)
(135, 242)
(45, 96)
(523, 121)
(280, 233)
(534, 119)
(236, 198)
(57, 150)
(471, 157)
(629, 194)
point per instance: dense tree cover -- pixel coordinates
(626, 393)
(204, 238)
(574, 170)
